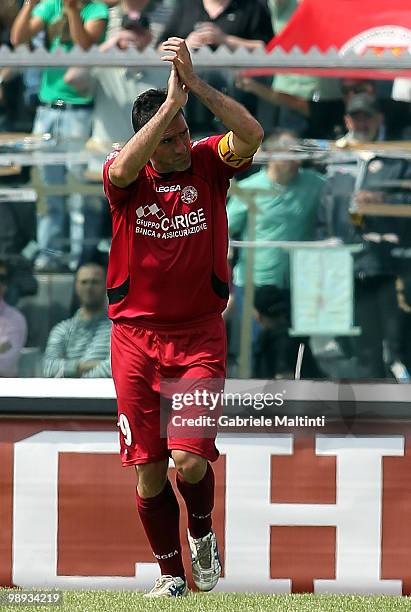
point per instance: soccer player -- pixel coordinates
(167, 287)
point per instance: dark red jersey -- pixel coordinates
(168, 258)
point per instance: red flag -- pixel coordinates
(347, 25)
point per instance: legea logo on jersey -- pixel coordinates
(151, 220)
(189, 194)
(167, 188)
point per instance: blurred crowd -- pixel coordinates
(68, 234)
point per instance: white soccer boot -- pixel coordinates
(205, 561)
(168, 586)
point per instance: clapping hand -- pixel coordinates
(180, 57)
(177, 92)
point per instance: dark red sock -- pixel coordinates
(199, 499)
(160, 516)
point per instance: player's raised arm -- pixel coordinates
(138, 150)
(247, 132)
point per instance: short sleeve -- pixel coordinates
(45, 10)
(115, 195)
(227, 162)
(97, 10)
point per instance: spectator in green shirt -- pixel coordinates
(286, 199)
(65, 114)
(286, 207)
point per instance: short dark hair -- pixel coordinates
(92, 264)
(146, 105)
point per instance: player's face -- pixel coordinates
(173, 154)
(91, 287)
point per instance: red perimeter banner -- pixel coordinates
(326, 513)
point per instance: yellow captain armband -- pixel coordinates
(229, 156)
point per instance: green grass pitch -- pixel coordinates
(128, 601)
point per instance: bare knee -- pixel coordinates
(191, 467)
(151, 478)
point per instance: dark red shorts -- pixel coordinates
(140, 358)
